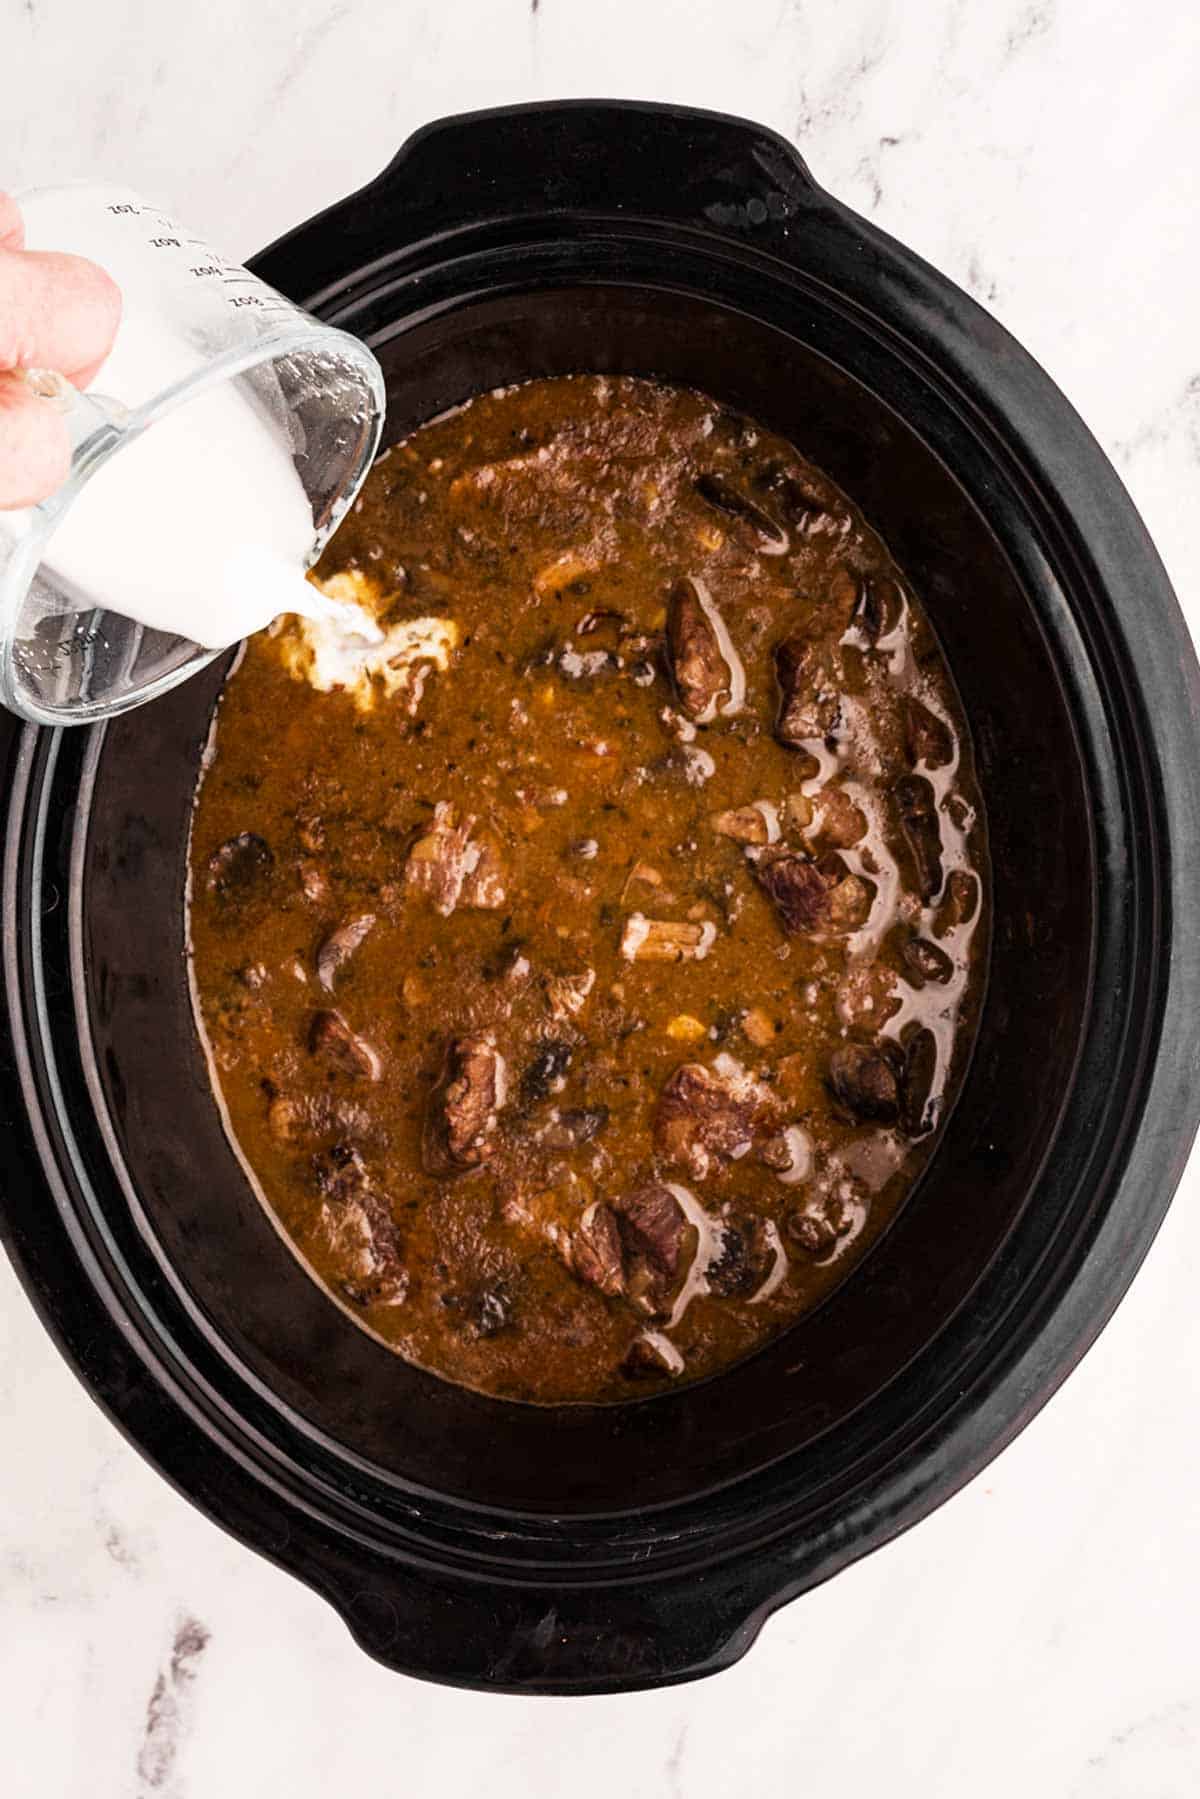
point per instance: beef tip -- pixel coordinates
(744, 1260)
(880, 607)
(596, 1253)
(665, 940)
(918, 1101)
(799, 887)
(239, 865)
(927, 737)
(438, 862)
(697, 665)
(918, 818)
(850, 902)
(652, 1226)
(812, 1231)
(705, 1118)
(356, 1222)
(809, 706)
(746, 824)
(335, 950)
(330, 1038)
(925, 961)
(645, 1360)
(840, 822)
(461, 1115)
(567, 993)
(575, 1126)
(756, 527)
(864, 1082)
(958, 907)
(546, 1072)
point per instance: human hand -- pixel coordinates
(56, 312)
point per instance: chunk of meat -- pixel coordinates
(356, 1223)
(850, 903)
(331, 1038)
(665, 940)
(746, 824)
(809, 706)
(864, 1082)
(463, 1108)
(698, 668)
(799, 886)
(335, 950)
(756, 527)
(239, 865)
(596, 1251)
(839, 821)
(918, 818)
(567, 993)
(653, 1225)
(451, 867)
(437, 863)
(707, 1117)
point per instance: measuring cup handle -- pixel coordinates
(94, 422)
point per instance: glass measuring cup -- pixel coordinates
(281, 404)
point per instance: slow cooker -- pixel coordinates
(595, 1548)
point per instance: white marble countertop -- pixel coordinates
(1037, 1634)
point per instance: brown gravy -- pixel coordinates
(587, 987)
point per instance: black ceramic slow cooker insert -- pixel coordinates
(584, 1549)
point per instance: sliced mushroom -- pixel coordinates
(880, 607)
(864, 1082)
(961, 899)
(743, 1261)
(924, 961)
(918, 1109)
(927, 737)
(239, 865)
(756, 526)
(918, 817)
(463, 1108)
(698, 668)
(332, 1039)
(335, 950)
